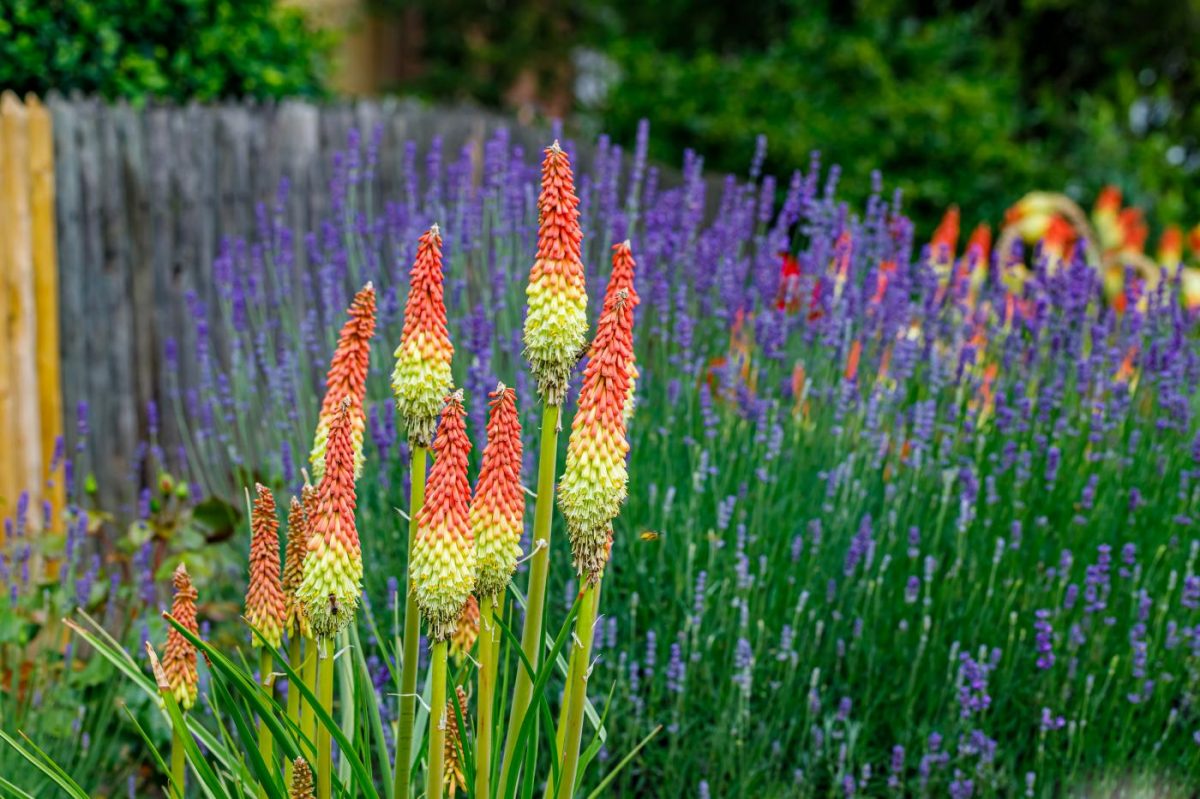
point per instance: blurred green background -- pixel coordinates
(955, 102)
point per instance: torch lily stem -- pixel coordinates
(266, 743)
(531, 634)
(575, 697)
(488, 635)
(293, 697)
(324, 737)
(437, 723)
(412, 632)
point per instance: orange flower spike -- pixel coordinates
(266, 607)
(852, 360)
(945, 240)
(295, 622)
(1194, 241)
(595, 482)
(1170, 249)
(455, 779)
(497, 513)
(333, 568)
(422, 375)
(623, 267)
(443, 559)
(179, 661)
(1134, 231)
(347, 377)
(556, 321)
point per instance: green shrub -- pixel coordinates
(178, 49)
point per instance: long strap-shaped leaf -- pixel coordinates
(43, 763)
(252, 692)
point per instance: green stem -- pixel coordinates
(178, 762)
(293, 697)
(531, 634)
(266, 743)
(324, 737)
(575, 693)
(412, 636)
(437, 723)
(487, 696)
(308, 716)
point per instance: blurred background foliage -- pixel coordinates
(954, 101)
(174, 49)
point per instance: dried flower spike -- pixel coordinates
(466, 631)
(302, 780)
(295, 622)
(443, 559)
(455, 779)
(333, 568)
(595, 481)
(556, 322)
(347, 377)
(266, 607)
(179, 661)
(498, 507)
(422, 376)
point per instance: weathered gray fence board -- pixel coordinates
(145, 199)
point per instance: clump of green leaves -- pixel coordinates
(177, 49)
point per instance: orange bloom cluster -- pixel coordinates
(595, 481)
(622, 280)
(556, 322)
(422, 375)
(497, 512)
(443, 558)
(347, 377)
(302, 780)
(333, 567)
(179, 661)
(266, 607)
(295, 621)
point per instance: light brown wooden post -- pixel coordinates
(45, 285)
(26, 441)
(8, 455)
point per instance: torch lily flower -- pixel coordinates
(179, 661)
(332, 579)
(945, 241)
(556, 323)
(497, 510)
(466, 631)
(266, 606)
(595, 481)
(294, 620)
(422, 375)
(302, 780)
(1106, 218)
(1170, 250)
(347, 377)
(443, 558)
(622, 280)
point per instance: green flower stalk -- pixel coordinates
(420, 383)
(332, 579)
(295, 623)
(443, 564)
(555, 334)
(497, 517)
(593, 488)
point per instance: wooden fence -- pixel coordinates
(30, 392)
(144, 198)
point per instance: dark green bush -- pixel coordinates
(178, 49)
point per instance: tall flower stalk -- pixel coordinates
(594, 487)
(497, 520)
(555, 335)
(420, 382)
(266, 605)
(332, 579)
(443, 565)
(295, 623)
